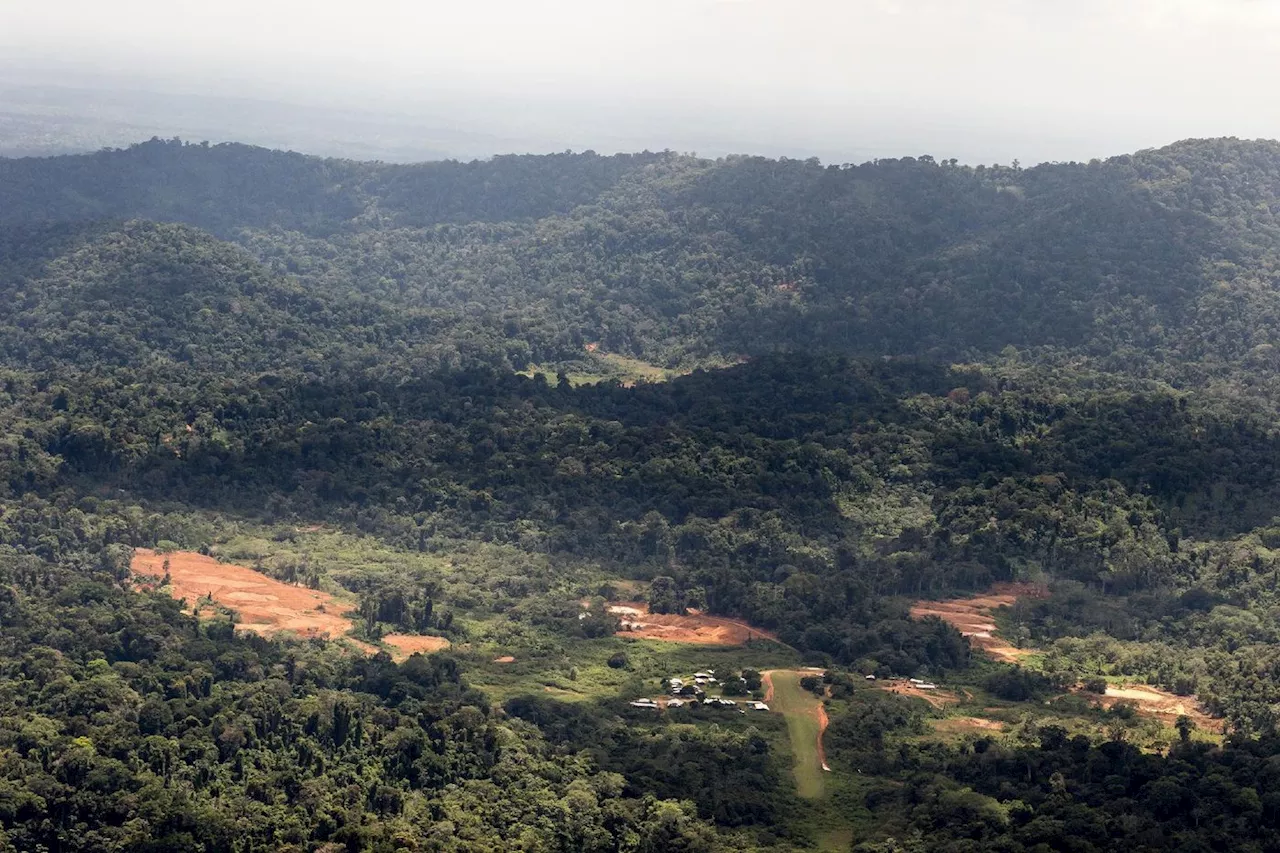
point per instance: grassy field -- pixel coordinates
(577, 670)
(800, 708)
(597, 366)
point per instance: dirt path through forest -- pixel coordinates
(974, 617)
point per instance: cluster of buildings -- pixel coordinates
(694, 692)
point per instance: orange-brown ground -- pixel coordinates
(1160, 704)
(902, 687)
(505, 659)
(822, 730)
(974, 617)
(694, 627)
(405, 645)
(265, 605)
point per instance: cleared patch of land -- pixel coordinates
(265, 605)
(806, 722)
(505, 659)
(404, 645)
(1159, 704)
(693, 627)
(938, 698)
(966, 725)
(974, 617)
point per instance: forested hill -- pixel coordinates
(228, 186)
(1160, 262)
(475, 402)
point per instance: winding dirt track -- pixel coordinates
(974, 617)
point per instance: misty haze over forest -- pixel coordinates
(989, 81)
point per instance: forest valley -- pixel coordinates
(482, 506)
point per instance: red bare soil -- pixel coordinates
(694, 627)
(505, 659)
(265, 604)
(974, 617)
(822, 730)
(408, 644)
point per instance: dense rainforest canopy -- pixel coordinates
(786, 392)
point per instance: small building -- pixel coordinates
(675, 703)
(644, 703)
(870, 678)
(915, 680)
(757, 706)
(924, 685)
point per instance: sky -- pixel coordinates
(980, 80)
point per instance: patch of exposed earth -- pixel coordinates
(693, 627)
(974, 617)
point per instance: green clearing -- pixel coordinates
(508, 603)
(598, 367)
(834, 801)
(799, 707)
(577, 670)
(505, 603)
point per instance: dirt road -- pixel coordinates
(974, 617)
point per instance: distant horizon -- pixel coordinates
(192, 141)
(847, 81)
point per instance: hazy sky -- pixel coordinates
(983, 80)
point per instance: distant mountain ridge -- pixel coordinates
(1160, 262)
